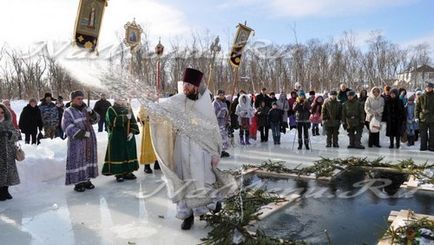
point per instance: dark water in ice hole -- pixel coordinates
(361, 219)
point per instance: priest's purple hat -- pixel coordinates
(192, 76)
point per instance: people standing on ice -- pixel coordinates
(342, 94)
(30, 121)
(189, 161)
(7, 103)
(416, 130)
(223, 119)
(291, 113)
(121, 154)
(411, 123)
(283, 105)
(101, 107)
(331, 114)
(50, 115)
(302, 114)
(353, 120)
(147, 153)
(81, 159)
(60, 108)
(425, 118)
(8, 168)
(374, 107)
(263, 97)
(275, 118)
(263, 122)
(245, 113)
(395, 116)
(315, 116)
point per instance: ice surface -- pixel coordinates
(44, 211)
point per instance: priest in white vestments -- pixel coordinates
(189, 161)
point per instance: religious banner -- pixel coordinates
(88, 23)
(133, 34)
(241, 38)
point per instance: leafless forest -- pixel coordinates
(317, 64)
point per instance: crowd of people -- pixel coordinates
(184, 158)
(405, 117)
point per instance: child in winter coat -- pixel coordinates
(315, 116)
(275, 118)
(411, 123)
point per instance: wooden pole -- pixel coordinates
(235, 83)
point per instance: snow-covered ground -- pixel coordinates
(44, 211)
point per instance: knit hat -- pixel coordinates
(76, 94)
(301, 93)
(351, 93)
(395, 91)
(430, 85)
(312, 92)
(333, 92)
(192, 76)
(219, 92)
(411, 98)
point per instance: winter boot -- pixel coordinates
(410, 140)
(392, 139)
(313, 132)
(306, 144)
(88, 185)
(242, 139)
(3, 193)
(187, 223)
(300, 144)
(398, 142)
(148, 169)
(156, 165)
(317, 131)
(130, 176)
(79, 187)
(247, 137)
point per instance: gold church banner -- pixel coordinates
(241, 38)
(88, 23)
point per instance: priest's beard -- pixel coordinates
(193, 95)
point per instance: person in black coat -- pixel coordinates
(30, 121)
(263, 124)
(101, 107)
(263, 97)
(275, 118)
(395, 117)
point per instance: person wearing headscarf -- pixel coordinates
(374, 107)
(283, 105)
(395, 116)
(245, 113)
(315, 116)
(222, 113)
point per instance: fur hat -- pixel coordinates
(48, 95)
(76, 94)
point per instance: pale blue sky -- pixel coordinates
(402, 21)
